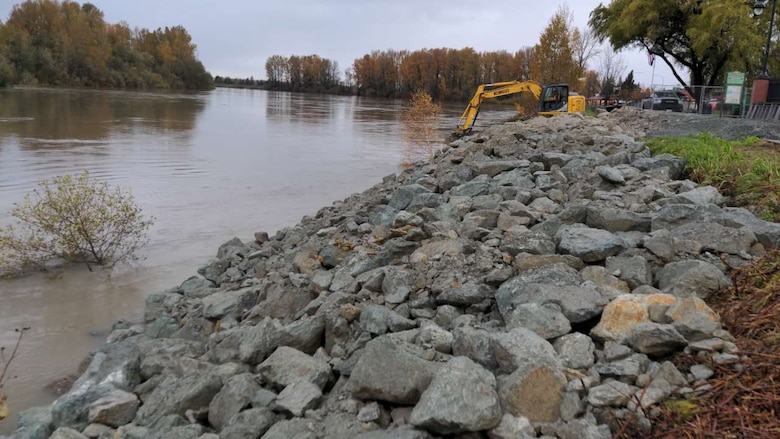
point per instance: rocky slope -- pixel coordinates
(530, 281)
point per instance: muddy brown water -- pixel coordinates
(207, 166)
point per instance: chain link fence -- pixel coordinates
(714, 101)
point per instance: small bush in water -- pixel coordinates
(76, 219)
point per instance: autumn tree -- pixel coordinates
(420, 119)
(705, 37)
(65, 43)
(592, 83)
(554, 59)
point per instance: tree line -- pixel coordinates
(706, 38)
(48, 42)
(446, 74)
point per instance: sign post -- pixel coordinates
(735, 85)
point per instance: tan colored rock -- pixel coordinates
(624, 313)
(307, 262)
(533, 391)
(602, 278)
(450, 247)
(350, 312)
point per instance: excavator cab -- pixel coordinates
(554, 98)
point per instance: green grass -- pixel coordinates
(748, 171)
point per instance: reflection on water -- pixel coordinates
(208, 166)
(43, 118)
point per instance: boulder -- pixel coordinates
(691, 278)
(236, 395)
(588, 244)
(287, 365)
(115, 409)
(465, 295)
(656, 339)
(115, 367)
(176, 395)
(623, 314)
(716, 238)
(249, 423)
(578, 304)
(575, 350)
(461, 398)
(617, 220)
(387, 372)
(299, 397)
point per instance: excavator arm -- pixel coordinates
(490, 91)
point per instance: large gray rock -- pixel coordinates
(257, 342)
(229, 303)
(116, 366)
(464, 295)
(512, 427)
(635, 270)
(717, 238)
(617, 220)
(176, 395)
(34, 423)
(656, 339)
(691, 278)
(578, 304)
(546, 320)
(197, 287)
(115, 409)
(299, 397)
(304, 334)
(287, 365)
(611, 394)
(475, 344)
(674, 165)
(67, 433)
(521, 346)
(236, 395)
(701, 196)
(252, 423)
(396, 285)
(461, 398)
(294, 428)
(387, 372)
(575, 350)
(377, 319)
(470, 189)
(404, 195)
(534, 243)
(588, 244)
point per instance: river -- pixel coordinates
(208, 166)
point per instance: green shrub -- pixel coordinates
(746, 170)
(76, 219)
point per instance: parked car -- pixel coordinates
(663, 100)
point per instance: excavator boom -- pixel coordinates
(490, 91)
(553, 99)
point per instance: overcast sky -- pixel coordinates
(235, 37)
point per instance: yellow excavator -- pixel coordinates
(553, 99)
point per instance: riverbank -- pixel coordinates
(532, 279)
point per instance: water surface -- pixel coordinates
(207, 166)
